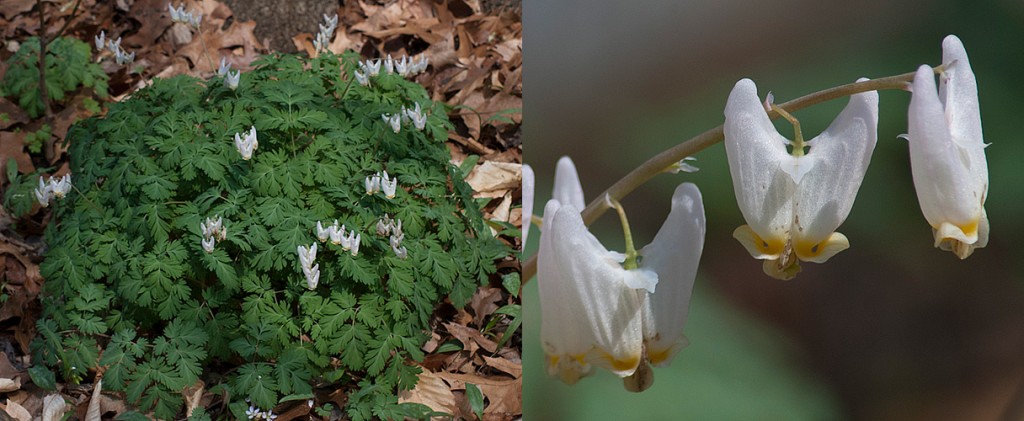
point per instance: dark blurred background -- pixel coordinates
(890, 329)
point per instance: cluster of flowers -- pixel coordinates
(246, 146)
(377, 183)
(55, 187)
(405, 67)
(600, 307)
(121, 56)
(306, 257)
(338, 237)
(254, 413)
(213, 228)
(386, 226)
(326, 33)
(230, 79)
(179, 15)
(414, 115)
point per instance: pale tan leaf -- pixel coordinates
(16, 411)
(54, 407)
(10, 385)
(492, 176)
(431, 391)
(93, 412)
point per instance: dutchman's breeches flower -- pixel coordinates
(947, 152)
(794, 202)
(600, 308)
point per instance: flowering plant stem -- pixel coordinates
(664, 160)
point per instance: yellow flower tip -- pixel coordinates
(660, 357)
(569, 370)
(759, 248)
(622, 367)
(962, 239)
(821, 252)
(784, 269)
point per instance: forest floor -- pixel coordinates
(475, 53)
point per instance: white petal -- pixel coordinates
(951, 186)
(826, 194)
(590, 315)
(756, 152)
(527, 201)
(568, 190)
(674, 255)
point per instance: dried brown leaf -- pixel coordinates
(16, 411)
(503, 394)
(504, 364)
(431, 391)
(12, 8)
(495, 176)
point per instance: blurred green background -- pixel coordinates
(891, 329)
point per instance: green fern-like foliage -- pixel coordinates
(68, 67)
(130, 292)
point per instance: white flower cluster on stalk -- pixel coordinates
(601, 308)
(381, 183)
(337, 234)
(54, 188)
(386, 226)
(213, 229)
(306, 257)
(323, 38)
(121, 56)
(414, 115)
(179, 15)
(231, 79)
(247, 145)
(254, 413)
(406, 67)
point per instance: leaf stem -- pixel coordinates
(658, 163)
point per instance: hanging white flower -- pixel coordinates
(100, 40)
(232, 79)
(598, 312)
(947, 152)
(793, 203)
(389, 186)
(247, 145)
(372, 184)
(224, 68)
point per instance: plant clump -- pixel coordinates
(177, 261)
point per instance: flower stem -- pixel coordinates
(798, 135)
(658, 163)
(631, 254)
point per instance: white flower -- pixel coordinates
(372, 184)
(371, 67)
(947, 152)
(100, 40)
(793, 203)
(389, 65)
(114, 45)
(232, 79)
(353, 242)
(336, 233)
(322, 233)
(389, 186)
(394, 120)
(419, 64)
(44, 193)
(403, 66)
(312, 277)
(320, 43)
(176, 13)
(396, 240)
(417, 116)
(224, 68)
(195, 20)
(61, 187)
(384, 226)
(362, 78)
(253, 411)
(527, 201)
(401, 252)
(247, 145)
(307, 255)
(596, 312)
(208, 243)
(122, 57)
(331, 21)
